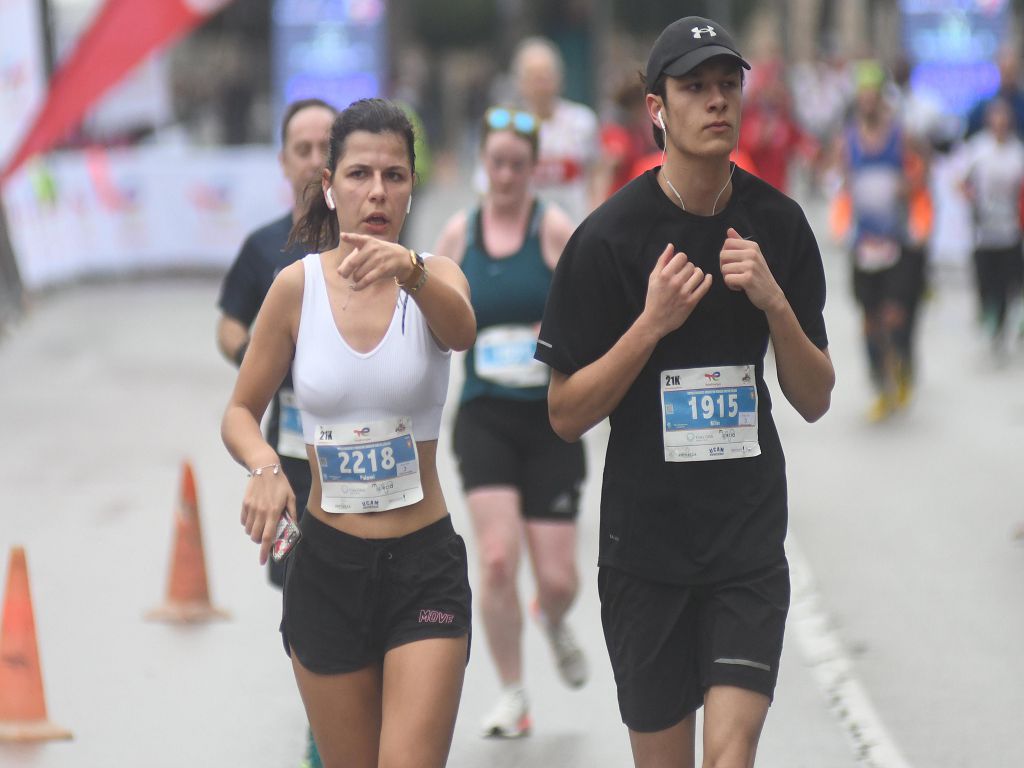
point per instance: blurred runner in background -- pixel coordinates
(569, 140)
(872, 155)
(521, 480)
(925, 127)
(770, 134)
(305, 130)
(994, 177)
(1010, 90)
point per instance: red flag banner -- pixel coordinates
(123, 33)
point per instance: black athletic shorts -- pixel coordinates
(668, 643)
(348, 601)
(902, 283)
(999, 271)
(511, 442)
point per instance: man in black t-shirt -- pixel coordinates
(659, 317)
(305, 131)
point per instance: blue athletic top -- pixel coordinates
(509, 291)
(876, 187)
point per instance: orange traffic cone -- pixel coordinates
(188, 597)
(22, 705)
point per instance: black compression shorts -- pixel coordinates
(511, 443)
(900, 284)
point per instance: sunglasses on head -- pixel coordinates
(500, 118)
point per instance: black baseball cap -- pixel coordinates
(686, 43)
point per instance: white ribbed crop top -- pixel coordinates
(405, 375)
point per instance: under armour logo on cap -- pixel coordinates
(686, 44)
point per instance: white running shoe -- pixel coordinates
(569, 657)
(510, 718)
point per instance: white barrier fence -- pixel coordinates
(119, 211)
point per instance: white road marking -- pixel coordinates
(833, 671)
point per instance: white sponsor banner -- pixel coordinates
(22, 70)
(116, 211)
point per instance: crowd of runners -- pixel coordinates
(633, 268)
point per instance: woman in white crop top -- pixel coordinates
(376, 601)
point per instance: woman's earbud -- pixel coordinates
(661, 122)
(329, 197)
(408, 206)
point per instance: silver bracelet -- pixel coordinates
(259, 470)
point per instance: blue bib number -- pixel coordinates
(517, 354)
(367, 463)
(703, 409)
(291, 419)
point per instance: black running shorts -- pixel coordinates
(511, 443)
(900, 284)
(668, 644)
(348, 601)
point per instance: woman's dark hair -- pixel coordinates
(317, 229)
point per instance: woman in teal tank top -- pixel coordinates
(522, 482)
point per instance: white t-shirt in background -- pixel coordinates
(995, 171)
(569, 148)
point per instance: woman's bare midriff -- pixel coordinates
(393, 522)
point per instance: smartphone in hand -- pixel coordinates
(287, 535)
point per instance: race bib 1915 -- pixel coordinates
(709, 413)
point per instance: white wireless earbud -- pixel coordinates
(661, 122)
(329, 196)
(408, 205)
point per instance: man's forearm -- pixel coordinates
(232, 339)
(806, 374)
(578, 402)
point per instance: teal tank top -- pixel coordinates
(508, 297)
